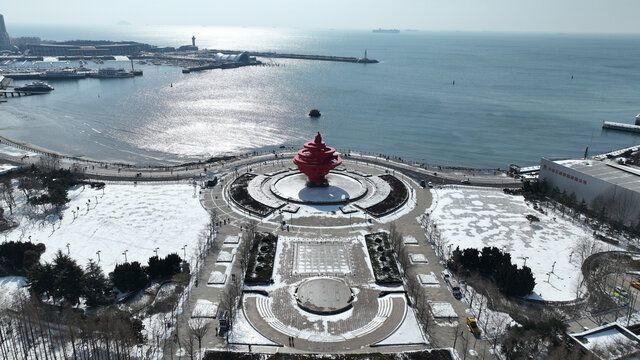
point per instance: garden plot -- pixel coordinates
(442, 310)
(410, 240)
(418, 258)
(225, 255)
(232, 239)
(428, 280)
(123, 219)
(205, 309)
(475, 218)
(217, 278)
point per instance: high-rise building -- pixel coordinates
(5, 43)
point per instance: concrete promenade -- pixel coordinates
(442, 335)
(214, 200)
(110, 171)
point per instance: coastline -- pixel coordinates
(116, 171)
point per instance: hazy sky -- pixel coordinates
(464, 15)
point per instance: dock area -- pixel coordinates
(621, 127)
(5, 93)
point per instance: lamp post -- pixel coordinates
(68, 251)
(156, 251)
(553, 266)
(125, 255)
(184, 250)
(525, 260)
(98, 253)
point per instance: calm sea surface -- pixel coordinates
(514, 100)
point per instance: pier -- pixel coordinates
(621, 127)
(14, 93)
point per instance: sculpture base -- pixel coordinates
(315, 185)
(339, 189)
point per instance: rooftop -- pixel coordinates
(621, 175)
(612, 341)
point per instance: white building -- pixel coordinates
(600, 183)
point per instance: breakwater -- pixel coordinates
(276, 55)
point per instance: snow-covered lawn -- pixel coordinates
(493, 323)
(475, 218)
(244, 333)
(5, 168)
(408, 333)
(125, 218)
(442, 310)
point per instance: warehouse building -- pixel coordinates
(602, 184)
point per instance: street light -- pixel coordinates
(68, 251)
(156, 250)
(184, 249)
(125, 255)
(98, 253)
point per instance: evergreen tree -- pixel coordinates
(40, 278)
(95, 285)
(129, 277)
(68, 276)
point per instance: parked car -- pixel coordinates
(473, 326)
(430, 184)
(635, 284)
(620, 293)
(455, 289)
(464, 181)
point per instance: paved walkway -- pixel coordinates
(389, 325)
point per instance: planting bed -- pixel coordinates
(240, 195)
(385, 269)
(396, 198)
(261, 259)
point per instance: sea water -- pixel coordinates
(516, 97)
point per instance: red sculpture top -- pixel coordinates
(316, 160)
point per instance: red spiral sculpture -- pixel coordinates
(316, 160)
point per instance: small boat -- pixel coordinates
(638, 119)
(36, 87)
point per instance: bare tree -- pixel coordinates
(199, 327)
(6, 194)
(585, 247)
(49, 162)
